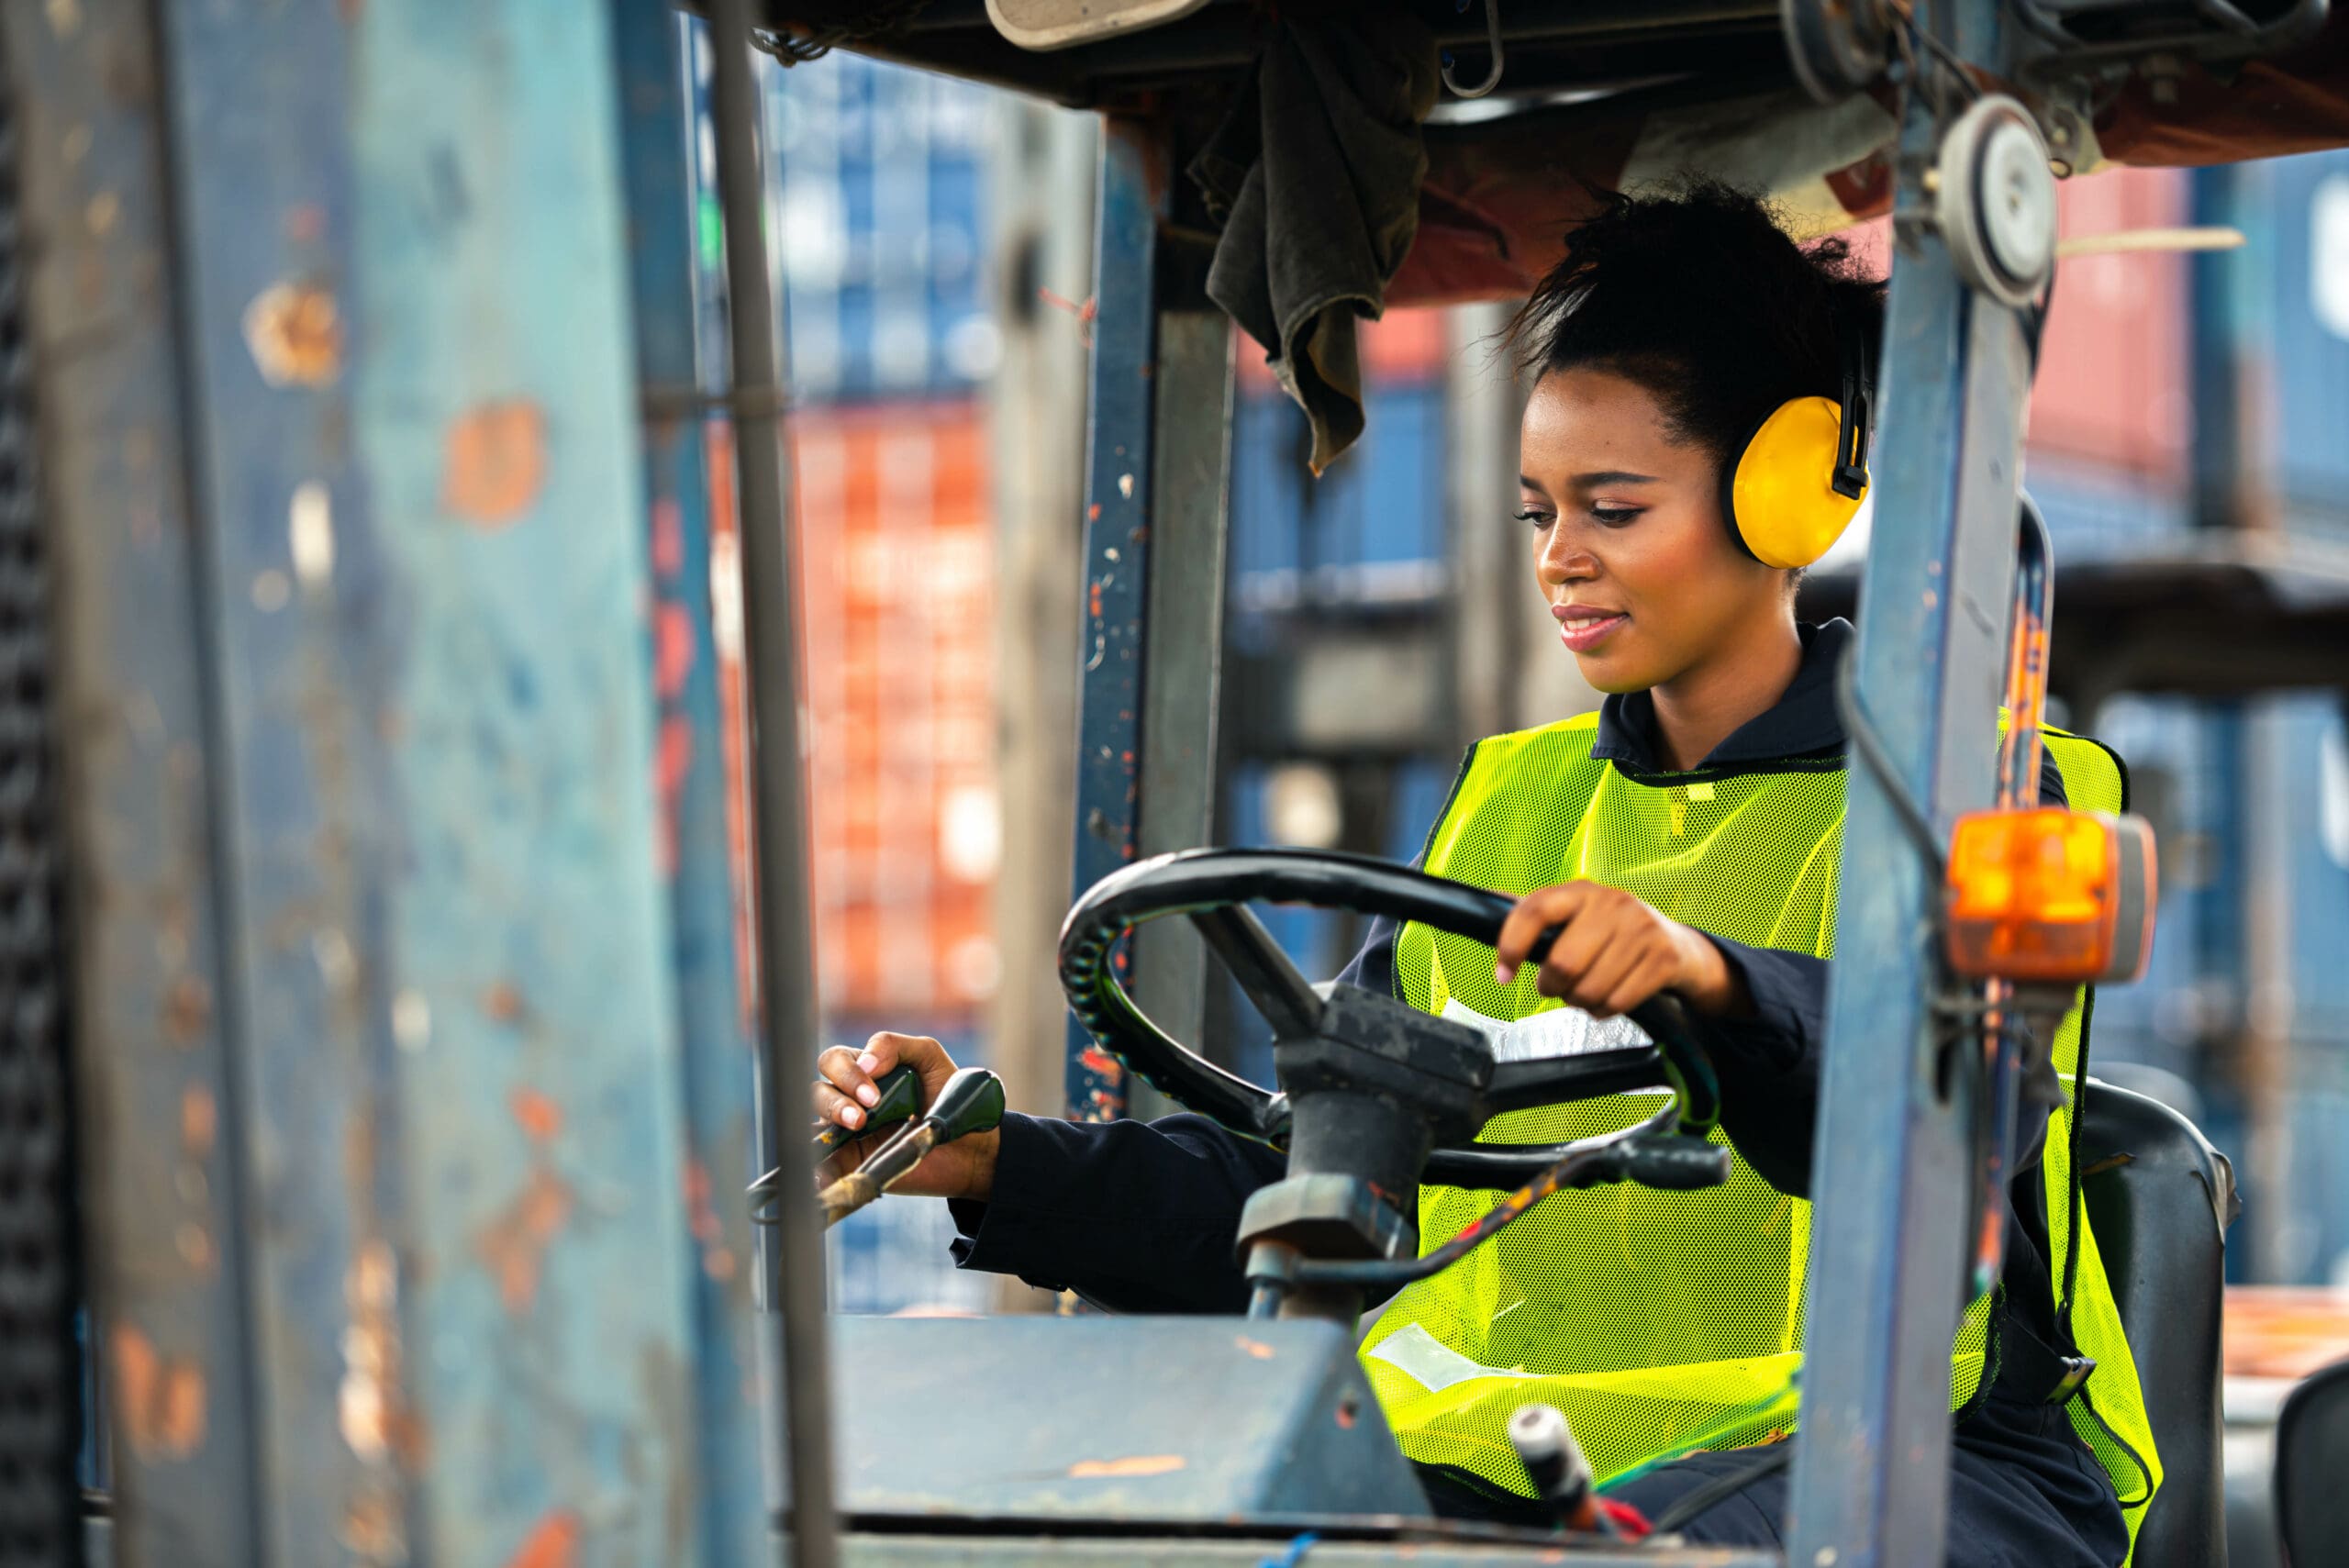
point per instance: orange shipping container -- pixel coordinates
(896, 561)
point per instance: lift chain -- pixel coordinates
(40, 1361)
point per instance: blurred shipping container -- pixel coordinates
(2316, 758)
(896, 561)
(2297, 214)
(897, 573)
(2113, 386)
(2162, 1019)
(1371, 530)
(878, 182)
(2098, 512)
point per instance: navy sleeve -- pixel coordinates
(1373, 966)
(1135, 1217)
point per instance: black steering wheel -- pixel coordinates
(1212, 888)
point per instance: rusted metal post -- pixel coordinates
(390, 1227)
(716, 1030)
(793, 1273)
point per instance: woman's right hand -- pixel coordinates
(847, 1088)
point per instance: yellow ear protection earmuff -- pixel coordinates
(1798, 479)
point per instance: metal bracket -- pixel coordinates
(1492, 42)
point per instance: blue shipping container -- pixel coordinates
(2296, 211)
(876, 223)
(2166, 744)
(1369, 532)
(2102, 514)
(2317, 828)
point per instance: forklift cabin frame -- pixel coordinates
(1893, 1162)
(271, 1128)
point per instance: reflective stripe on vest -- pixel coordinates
(1662, 1323)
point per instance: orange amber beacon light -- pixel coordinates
(2047, 895)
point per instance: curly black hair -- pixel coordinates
(1694, 292)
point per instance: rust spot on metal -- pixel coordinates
(668, 538)
(553, 1542)
(538, 1117)
(367, 1404)
(496, 463)
(372, 1527)
(1138, 1465)
(295, 331)
(673, 650)
(503, 1002)
(199, 1121)
(195, 1246)
(159, 1401)
(513, 1247)
(672, 761)
(700, 1212)
(187, 1010)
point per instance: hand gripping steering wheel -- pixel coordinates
(1213, 887)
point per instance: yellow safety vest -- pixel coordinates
(1663, 1322)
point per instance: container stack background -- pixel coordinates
(875, 178)
(885, 251)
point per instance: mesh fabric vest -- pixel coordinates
(1660, 1322)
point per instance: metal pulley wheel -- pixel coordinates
(1994, 199)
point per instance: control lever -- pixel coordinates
(901, 1093)
(971, 1101)
(1555, 1463)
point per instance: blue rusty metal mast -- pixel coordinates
(1157, 468)
(391, 1240)
(1894, 1166)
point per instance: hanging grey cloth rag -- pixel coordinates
(1315, 176)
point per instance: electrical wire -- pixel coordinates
(1869, 745)
(1917, 33)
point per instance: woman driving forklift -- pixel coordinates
(1685, 455)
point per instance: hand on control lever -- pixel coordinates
(1612, 951)
(850, 1086)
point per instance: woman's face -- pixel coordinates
(1629, 543)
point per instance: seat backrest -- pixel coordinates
(2159, 1198)
(2312, 1461)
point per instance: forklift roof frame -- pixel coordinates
(260, 502)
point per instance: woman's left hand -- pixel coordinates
(1613, 953)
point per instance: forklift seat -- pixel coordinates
(2160, 1199)
(2311, 1456)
